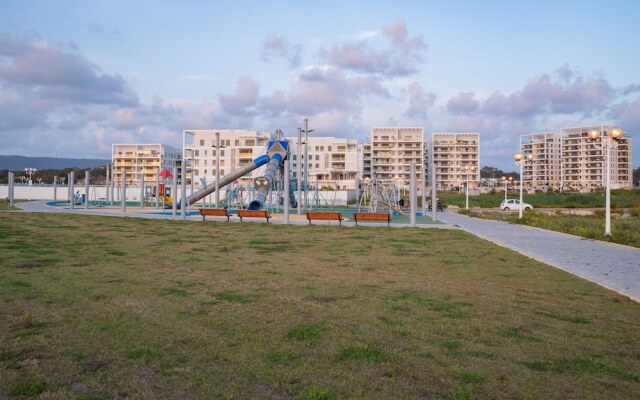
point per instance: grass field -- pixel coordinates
(101, 308)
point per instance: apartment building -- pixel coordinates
(142, 161)
(583, 161)
(391, 152)
(366, 160)
(237, 148)
(456, 158)
(332, 162)
(544, 170)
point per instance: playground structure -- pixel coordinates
(380, 197)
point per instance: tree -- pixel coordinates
(488, 172)
(636, 177)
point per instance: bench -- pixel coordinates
(254, 214)
(324, 216)
(215, 212)
(384, 217)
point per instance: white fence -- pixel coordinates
(96, 193)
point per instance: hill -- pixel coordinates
(19, 163)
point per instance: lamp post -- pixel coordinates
(468, 169)
(607, 143)
(218, 147)
(30, 172)
(521, 160)
(306, 131)
(506, 183)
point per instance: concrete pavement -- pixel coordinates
(613, 266)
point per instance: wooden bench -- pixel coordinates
(325, 216)
(361, 216)
(215, 212)
(254, 214)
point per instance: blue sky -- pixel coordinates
(77, 76)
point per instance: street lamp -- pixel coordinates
(506, 182)
(30, 172)
(607, 143)
(468, 169)
(521, 160)
(306, 131)
(218, 147)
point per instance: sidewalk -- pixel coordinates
(610, 265)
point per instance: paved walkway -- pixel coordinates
(613, 266)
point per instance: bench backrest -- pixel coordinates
(372, 216)
(215, 211)
(332, 215)
(254, 213)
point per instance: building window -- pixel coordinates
(201, 142)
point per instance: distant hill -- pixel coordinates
(19, 163)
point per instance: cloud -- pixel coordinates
(420, 101)
(401, 57)
(275, 47)
(99, 30)
(244, 100)
(627, 115)
(55, 72)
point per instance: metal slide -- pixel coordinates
(227, 179)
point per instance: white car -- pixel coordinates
(513, 204)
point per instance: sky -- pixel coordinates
(78, 76)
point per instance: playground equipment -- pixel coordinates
(277, 151)
(377, 197)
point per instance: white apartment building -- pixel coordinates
(544, 170)
(583, 163)
(237, 148)
(143, 161)
(391, 152)
(332, 162)
(451, 153)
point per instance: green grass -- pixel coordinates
(102, 308)
(620, 198)
(624, 229)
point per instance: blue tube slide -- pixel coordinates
(263, 184)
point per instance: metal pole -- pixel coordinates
(299, 172)
(113, 184)
(123, 196)
(607, 148)
(141, 190)
(158, 189)
(72, 179)
(183, 197)
(434, 203)
(521, 167)
(306, 163)
(286, 190)
(413, 195)
(174, 189)
(12, 177)
(107, 184)
(86, 189)
(467, 192)
(423, 193)
(217, 169)
(55, 189)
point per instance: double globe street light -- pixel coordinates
(30, 172)
(521, 161)
(608, 141)
(468, 169)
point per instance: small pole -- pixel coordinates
(55, 189)
(413, 195)
(72, 179)
(286, 189)
(12, 186)
(107, 183)
(123, 198)
(299, 172)
(158, 189)
(113, 184)
(183, 197)
(141, 189)
(174, 189)
(86, 189)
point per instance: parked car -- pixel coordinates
(514, 204)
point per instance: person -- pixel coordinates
(401, 202)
